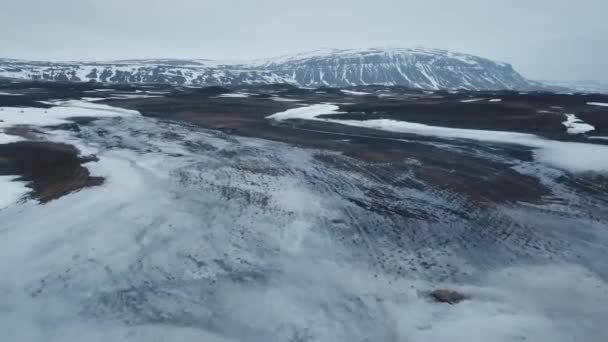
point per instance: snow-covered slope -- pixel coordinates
(417, 68)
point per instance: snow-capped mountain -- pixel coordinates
(417, 68)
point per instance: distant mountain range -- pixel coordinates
(581, 86)
(415, 68)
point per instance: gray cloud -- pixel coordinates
(544, 39)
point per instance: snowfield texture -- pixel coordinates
(201, 236)
(416, 68)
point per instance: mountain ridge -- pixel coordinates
(411, 67)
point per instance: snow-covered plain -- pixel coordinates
(200, 236)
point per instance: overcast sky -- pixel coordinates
(543, 39)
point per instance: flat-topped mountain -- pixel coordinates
(415, 68)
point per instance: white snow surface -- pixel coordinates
(235, 95)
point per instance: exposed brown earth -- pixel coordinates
(52, 170)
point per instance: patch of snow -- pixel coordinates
(351, 92)
(576, 126)
(601, 104)
(388, 95)
(9, 94)
(133, 96)
(235, 95)
(119, 97)
(471, 100)
(96, 90)
(282, 99)
(305, 113)
(495, 100)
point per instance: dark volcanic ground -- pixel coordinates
(210, 221)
